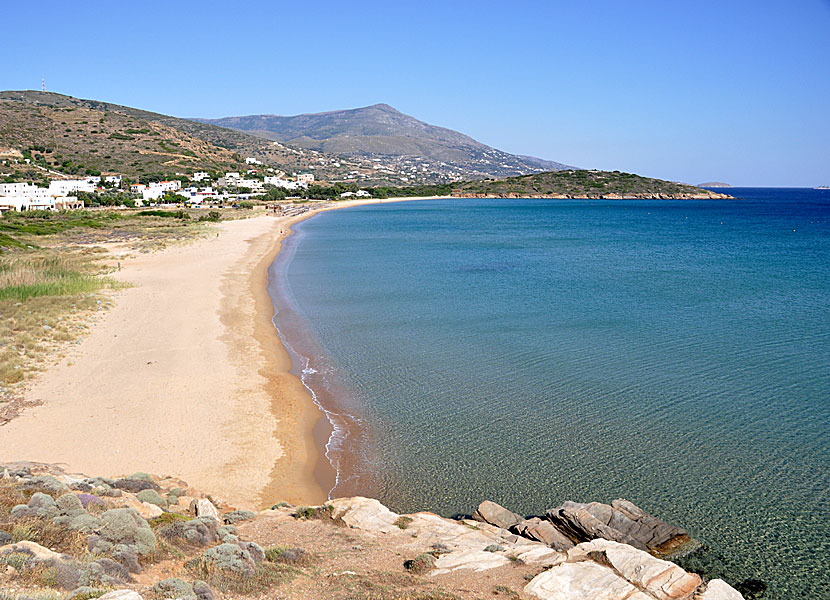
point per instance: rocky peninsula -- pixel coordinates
(584, 184)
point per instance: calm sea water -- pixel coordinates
(674, 353)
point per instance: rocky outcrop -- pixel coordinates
(661, 579)
(613, 571)
(576, 551)
(622, 522)
(543, 531)
(573, 522)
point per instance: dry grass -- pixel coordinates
(51, 280)
(383, 585)
(24, 276)
(48, 534)
(10, 496)
(31, 595)
(267, 576)
(30, 329)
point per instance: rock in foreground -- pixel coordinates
(202, 549)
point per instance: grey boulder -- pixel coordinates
(490, 512)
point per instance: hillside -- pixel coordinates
(73, 135)
(582, 184)
(78, 140)
(383, 133)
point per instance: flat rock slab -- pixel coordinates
(582, 581)
(464, 539)
(659, 578)
(718, 589)
(365, 513)
(475, 560)
(121, 595)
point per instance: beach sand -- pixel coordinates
(185, 376)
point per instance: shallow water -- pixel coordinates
(675, 353)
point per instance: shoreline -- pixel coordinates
(163, 380)
(319, 426)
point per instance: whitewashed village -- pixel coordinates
(201, 189)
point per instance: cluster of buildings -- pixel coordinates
(357, 194)
(155, 189)
(25, 196)
(237, 180)
(59, 194)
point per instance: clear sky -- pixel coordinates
(728, 90)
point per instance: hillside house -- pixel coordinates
(69, 186)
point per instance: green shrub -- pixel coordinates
(170, 214)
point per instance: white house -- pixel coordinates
(252, 161)
(153, 192)
(357, 194)
(112, 178)
(14, 189)
(280, 182)
(200, 176)
(168, 186)
(64, 188)
(305, 178)
(252, 184)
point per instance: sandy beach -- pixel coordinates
(185, 376)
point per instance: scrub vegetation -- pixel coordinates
(55, 275)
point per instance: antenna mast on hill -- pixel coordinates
(43, 84)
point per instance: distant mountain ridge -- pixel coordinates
(382, 131)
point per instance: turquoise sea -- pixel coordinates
(674, 353)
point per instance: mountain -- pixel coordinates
(380, 133)
(582, 184)
(74, 136)
(715, 184)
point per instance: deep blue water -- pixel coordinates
(675, 353)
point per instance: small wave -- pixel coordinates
(339, 432)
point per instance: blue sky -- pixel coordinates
(735, 91)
